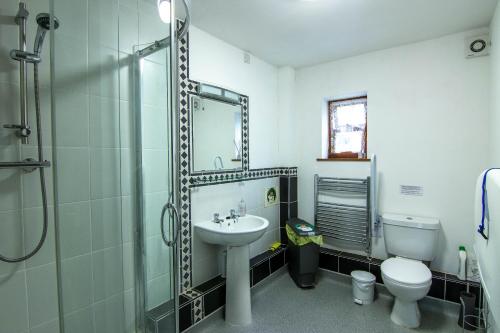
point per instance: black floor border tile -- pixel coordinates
(347, 265)
(210, 284)
(260, 272)
(185, 317)
(329, 262)
(437, 289)
(277, 261)
(214, 299)
(265, 256)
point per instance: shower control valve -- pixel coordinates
(23, 131)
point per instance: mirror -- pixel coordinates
(215, 135)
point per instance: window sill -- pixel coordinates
(339, 159)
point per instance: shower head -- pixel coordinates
(44, 25)
(43, 20)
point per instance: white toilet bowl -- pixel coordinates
(409, 281)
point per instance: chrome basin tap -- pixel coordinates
(233, 215)
(217, 219)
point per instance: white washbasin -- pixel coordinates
(235, 236)
(245, 230)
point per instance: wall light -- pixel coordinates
(164, 10)
(207, 90)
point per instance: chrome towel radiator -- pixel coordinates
(342, 211)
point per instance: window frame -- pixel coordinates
(346, 155)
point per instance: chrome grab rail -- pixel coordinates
(25, 164)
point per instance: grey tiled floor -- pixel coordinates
(279, 306)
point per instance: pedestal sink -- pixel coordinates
(236, 235)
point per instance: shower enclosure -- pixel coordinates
(107, 87)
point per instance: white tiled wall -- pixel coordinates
(94, 140)
(103, 193)
(207, 200)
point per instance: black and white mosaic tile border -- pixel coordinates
(189, 180)
(231, 177)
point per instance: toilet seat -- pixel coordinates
(406, 272)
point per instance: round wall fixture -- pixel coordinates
(478, 45)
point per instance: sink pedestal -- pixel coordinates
(238, 302)
(235, 237)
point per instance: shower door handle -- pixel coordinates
(170, 207)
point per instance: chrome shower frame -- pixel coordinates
(174, 200)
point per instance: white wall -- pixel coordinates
(216, 62)
(427, 123)
(495, 111)
(287, 127)
(495, 88)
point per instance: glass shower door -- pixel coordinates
(155, 185)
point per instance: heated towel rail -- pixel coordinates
(342, 211)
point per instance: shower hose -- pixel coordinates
(42, 176)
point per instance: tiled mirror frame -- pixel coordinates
(243, 103)
(190, 180)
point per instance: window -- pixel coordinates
(347, 128)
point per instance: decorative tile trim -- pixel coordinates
(444, 286)
(198, 312)
(185, 86)
(189, 179)
(191, 294)
(215, 178)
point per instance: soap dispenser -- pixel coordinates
(242, 207)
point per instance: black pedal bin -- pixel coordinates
(303, 261)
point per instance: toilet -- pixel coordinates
(410, 241)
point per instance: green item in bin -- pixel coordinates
(304, 227)
(302, 240)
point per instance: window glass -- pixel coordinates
(348, 128)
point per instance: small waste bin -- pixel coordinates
(363, 285)
(303, 251)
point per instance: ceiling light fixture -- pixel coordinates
(164, 10)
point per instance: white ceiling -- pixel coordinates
(301, 33)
